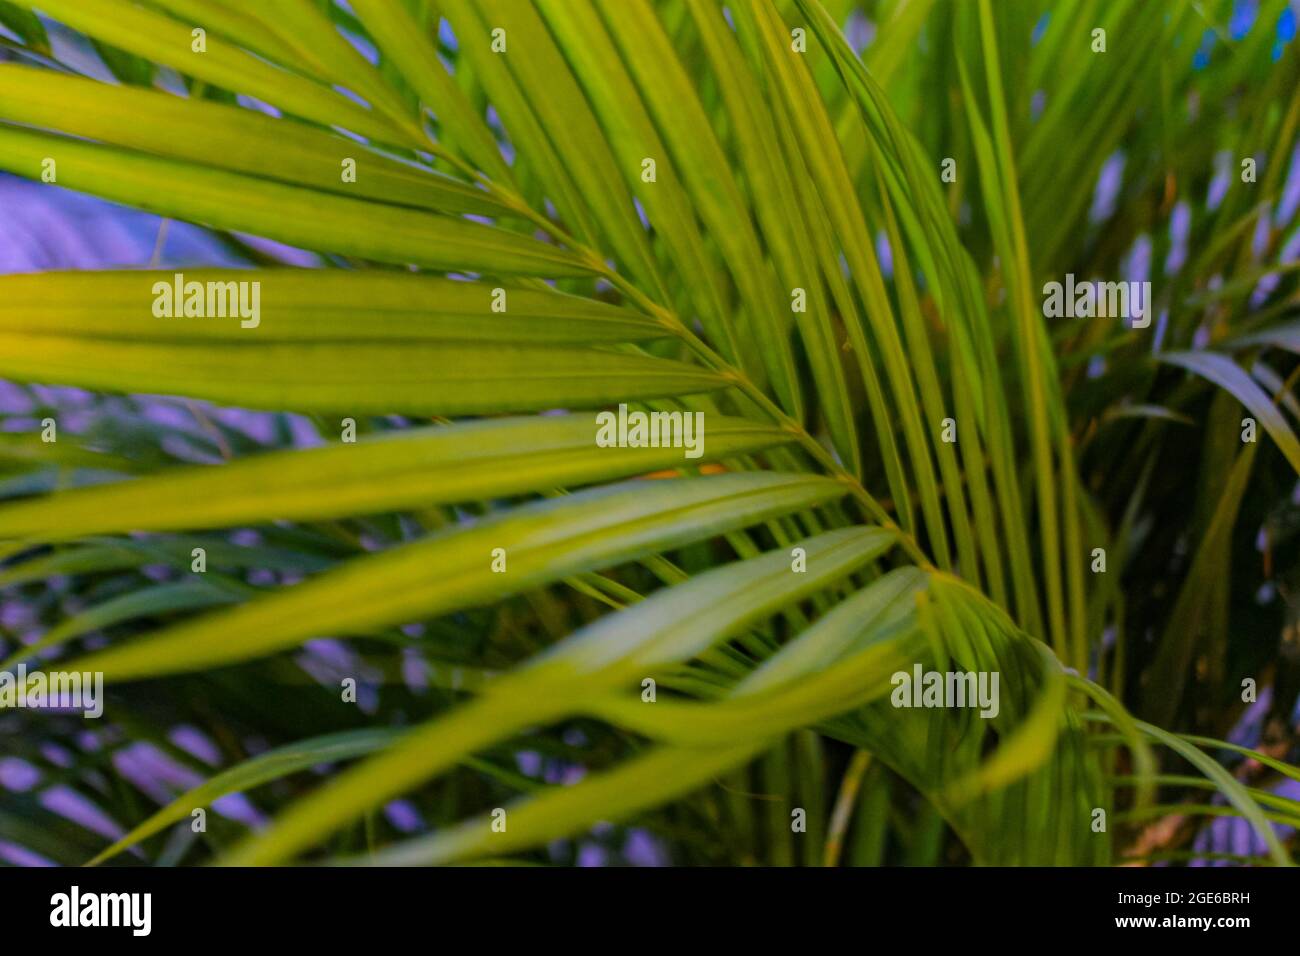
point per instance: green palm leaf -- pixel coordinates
(895, 473)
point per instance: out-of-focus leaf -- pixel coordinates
(272, 765)
(291, 214)
(388, 471)
(309, 306)
(1231, 377)
(452, 569)
(226, 137)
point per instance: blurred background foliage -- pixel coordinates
(1117, 164)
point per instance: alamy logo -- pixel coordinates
(132, 910)
(947, 689)
(651, 430)
(1086, 300)
(208, 300)
(57, 690)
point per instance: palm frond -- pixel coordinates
(557, 207)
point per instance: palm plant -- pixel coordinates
(524, 213)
